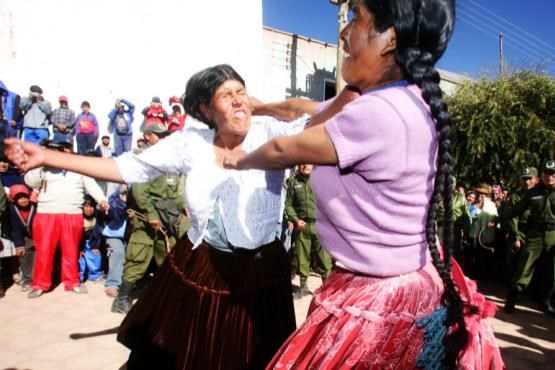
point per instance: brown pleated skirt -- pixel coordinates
(207, 309)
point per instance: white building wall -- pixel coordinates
(295, 65)
(286, 73)
(100, 50)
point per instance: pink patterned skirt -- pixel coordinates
(363, 322)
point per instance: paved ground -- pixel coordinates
(35, 333)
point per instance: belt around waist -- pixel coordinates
(240, 250)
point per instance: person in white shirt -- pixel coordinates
(222, 298)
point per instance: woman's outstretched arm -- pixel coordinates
(293, 108)
(27, 156)
(312, 145)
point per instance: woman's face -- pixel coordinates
(88, 210)
(22, 201)
(471, 198)
(4, 166)
(230, 109)
(363, 65)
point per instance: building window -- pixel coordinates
(329, 89)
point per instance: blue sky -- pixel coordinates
(529, 34)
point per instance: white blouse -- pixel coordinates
(250, 202)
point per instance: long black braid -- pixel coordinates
(422, 29)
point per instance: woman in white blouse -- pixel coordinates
(223, 297)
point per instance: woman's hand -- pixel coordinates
(104, 206)
(232, 159)
(23, 154)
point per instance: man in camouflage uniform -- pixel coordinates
(518, 226)
(161, 201)
(300, 208)
(539, 241)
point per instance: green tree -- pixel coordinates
(501, 126)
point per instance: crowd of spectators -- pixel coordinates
(59, 225)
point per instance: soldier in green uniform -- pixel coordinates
(301, 211)
(161, 201)
(518, 226)
(539, 240)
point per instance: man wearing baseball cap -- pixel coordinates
(518, 226)
(63, 121)
(539, 246)
(161, 202)
(36, 113)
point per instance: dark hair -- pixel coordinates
(201, 87)
(87, 199)
(423, 29)
(85, 103)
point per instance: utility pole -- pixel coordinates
(501, 62)
(342, 22)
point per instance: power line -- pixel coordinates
(504, 29)
(539, 55)
(495, 36)
(511, 24)
(507, 32)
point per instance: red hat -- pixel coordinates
(19, 189)
(63, 98)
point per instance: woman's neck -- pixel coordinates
(228, 142)
(224, 144)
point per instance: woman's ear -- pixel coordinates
(205, 112)
(389, 41)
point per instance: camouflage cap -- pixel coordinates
(529, 172)
(549, 166)
(154, 127)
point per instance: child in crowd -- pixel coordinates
(22, 213)
(90, 261)
(177, 118)
(110, 231)
(86, 128)
(9, 175)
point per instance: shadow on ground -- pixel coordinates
(534, 346)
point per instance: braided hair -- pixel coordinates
(423, 29)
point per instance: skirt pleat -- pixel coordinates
(362, 322)
(208, 309)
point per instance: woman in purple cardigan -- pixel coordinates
(396, 298)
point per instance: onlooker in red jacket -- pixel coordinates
(177, 119)
(155, 112)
